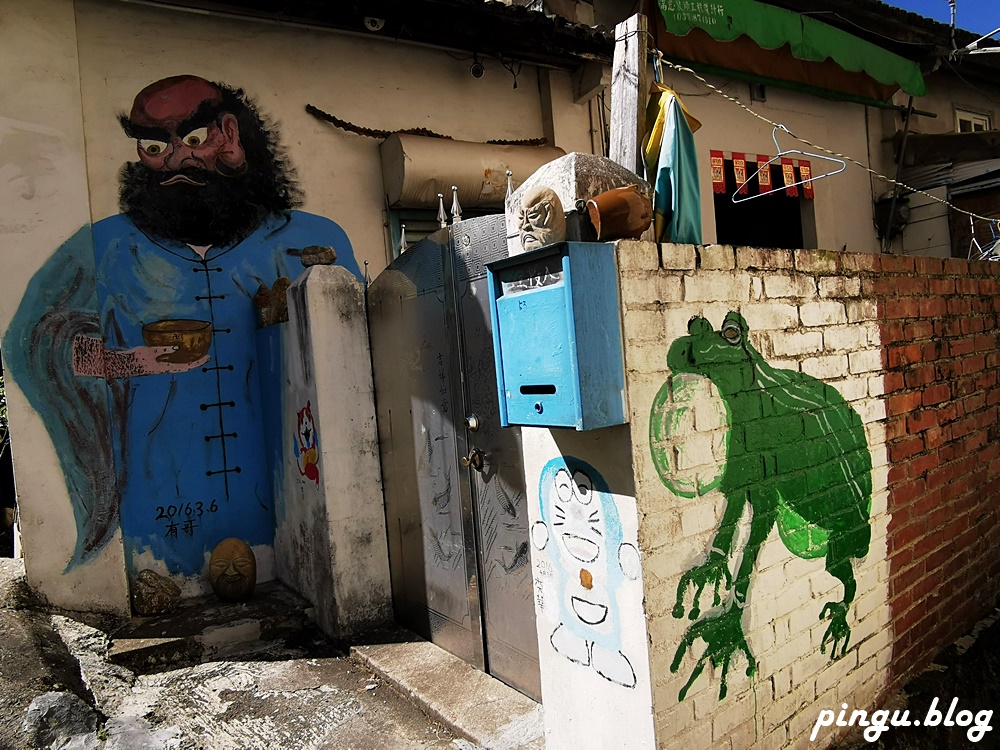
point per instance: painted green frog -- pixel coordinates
(796, 453)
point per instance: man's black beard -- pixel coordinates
(223, 211)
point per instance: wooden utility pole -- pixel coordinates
(629, 87)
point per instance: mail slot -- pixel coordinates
(557, 337)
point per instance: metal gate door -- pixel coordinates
(454, 487)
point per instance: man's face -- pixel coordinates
(179, 130)
(540, 219)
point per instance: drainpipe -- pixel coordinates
(887, 237)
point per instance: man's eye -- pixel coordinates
(196, 137)
(151, 147)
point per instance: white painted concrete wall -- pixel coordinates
(72, 67)
(44, 200)
(842, 205)
(585, 709)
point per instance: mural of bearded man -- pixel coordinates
(169, 440)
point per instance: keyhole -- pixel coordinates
(538, 407)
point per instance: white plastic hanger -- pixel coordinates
(782, 154)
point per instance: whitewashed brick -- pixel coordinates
(794, 343)
(712, 286)
(737, 711)
(872, 646)
(771, 317)
(677, 714)
(781, 682)
(697, 737)
(851, 389)
(826, 368)
(862, 310)
(781, 711)
(876, 385)
(643, 325)
(651, 287)
(646, 356)
(825, 313)
(677, 257)
(756, 289)
(870, 409)
(869, 360)
(698, 519)
(637, 256)
(846, 337)
(839, 286)
(775, 740)
(717, 257)
(807, 668)
(790, 286)
(836, 671)
(744, 735)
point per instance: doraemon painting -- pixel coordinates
(581, 533)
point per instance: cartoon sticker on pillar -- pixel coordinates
(581, 533)
(306, 444)
(795, 453)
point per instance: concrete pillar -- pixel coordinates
(330, 542)
(592, 642)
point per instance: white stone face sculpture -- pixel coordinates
(541, 220)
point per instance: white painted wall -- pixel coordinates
(369, 81)
(73, 67)
(842, 204)
(43, 201)
(928, 232)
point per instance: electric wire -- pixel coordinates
(874, 173)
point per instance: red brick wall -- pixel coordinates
(938, 320)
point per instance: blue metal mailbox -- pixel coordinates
(557, 337)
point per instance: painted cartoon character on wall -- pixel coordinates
(797, 454)
(306, 449)
(169, 433)
(581, 532)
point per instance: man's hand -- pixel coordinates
(91, 358)
(315, 255)
(155, 360)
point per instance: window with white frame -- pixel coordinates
(967, 121)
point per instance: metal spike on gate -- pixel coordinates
(456, 207)
(442, 214)
(402, 239)
(510, 185)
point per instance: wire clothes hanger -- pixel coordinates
(782, 154)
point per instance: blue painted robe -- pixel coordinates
(188, 448)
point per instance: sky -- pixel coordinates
(982, 16)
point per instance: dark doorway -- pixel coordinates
(773, 220)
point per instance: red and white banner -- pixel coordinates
(764, 173)
(805, 174)
(718, 172)
(740, 171)
(788, 173)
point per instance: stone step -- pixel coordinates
(205, 629)
(473, 705)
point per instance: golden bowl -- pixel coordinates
(191, 337)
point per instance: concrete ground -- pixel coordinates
(302, 692)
